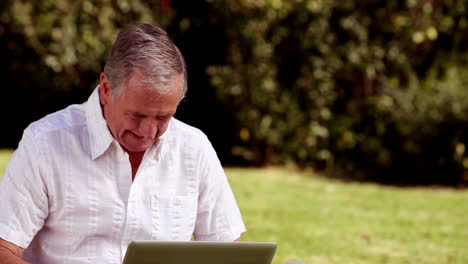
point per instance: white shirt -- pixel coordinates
(67, 195)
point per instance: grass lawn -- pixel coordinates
(4, 158)
(318, 221)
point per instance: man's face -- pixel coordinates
(140, 115)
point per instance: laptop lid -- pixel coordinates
(199, 252)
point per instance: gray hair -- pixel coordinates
(148, 50)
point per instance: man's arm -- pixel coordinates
(23, 200)
(10, 253)
(218, 215)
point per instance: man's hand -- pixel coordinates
(10, 253)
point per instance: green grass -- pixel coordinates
(320, 221)
(5, 156)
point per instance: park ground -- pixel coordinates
(318, 220)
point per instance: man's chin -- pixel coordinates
(138, 148)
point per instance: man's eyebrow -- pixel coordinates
(138, 114)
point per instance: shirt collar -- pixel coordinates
(159, 149)
(99, 135)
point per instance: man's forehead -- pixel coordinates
(163, 85)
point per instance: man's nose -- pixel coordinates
(148, 128)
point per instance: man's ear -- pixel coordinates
(104, 89)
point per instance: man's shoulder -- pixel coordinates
(66, 120)
(188, 138)
(180, 129)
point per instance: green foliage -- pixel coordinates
(373, 90)
(364, 88)
(74, 37)
(412, 135)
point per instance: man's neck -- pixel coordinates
(135, 161)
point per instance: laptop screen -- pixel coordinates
(198, 252)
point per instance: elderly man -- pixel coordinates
(87, 180)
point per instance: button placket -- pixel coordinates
(176, 218)
(131, 223)
(155, 217)
(117, 223)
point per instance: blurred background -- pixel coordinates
(364, 90)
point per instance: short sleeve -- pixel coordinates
(218, 216)
(23, 195)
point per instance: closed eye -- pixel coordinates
(166, 117)
(137, 116)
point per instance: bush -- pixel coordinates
(374, 90)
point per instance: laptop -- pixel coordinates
(199, 252)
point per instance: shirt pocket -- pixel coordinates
(173, 217)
